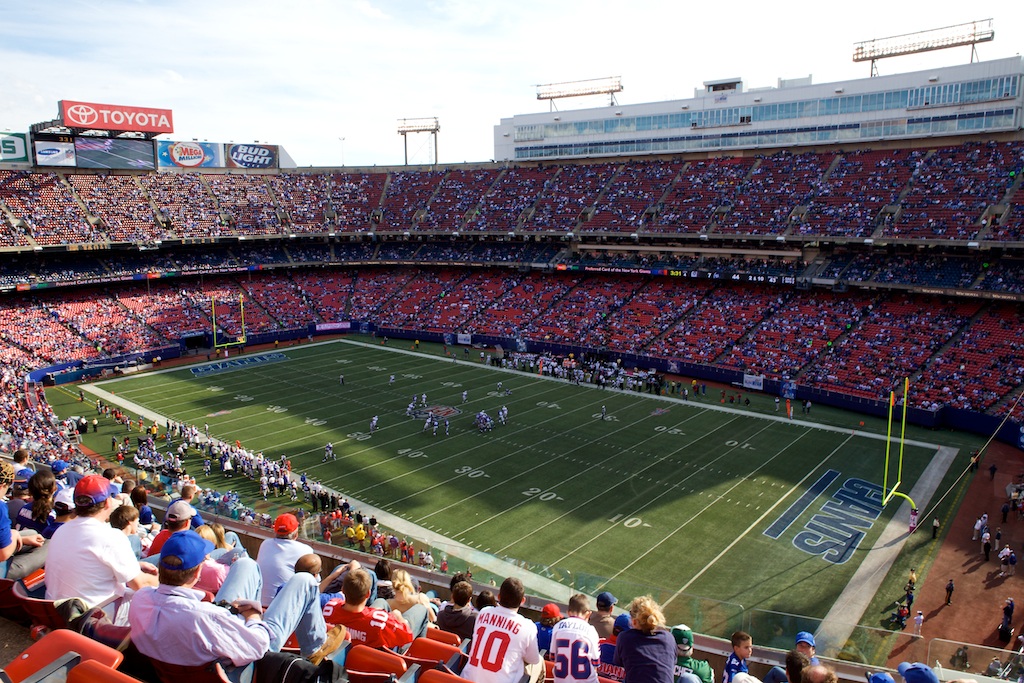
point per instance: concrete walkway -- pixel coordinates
(849, 608)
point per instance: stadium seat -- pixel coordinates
(42, 613)
(428, 653)
(54, 648)
(92, 671)
(444, 636)
(367, 665)
(437, 676)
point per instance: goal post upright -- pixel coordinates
(240, 340)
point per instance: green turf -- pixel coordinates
(665, 497)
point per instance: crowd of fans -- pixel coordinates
(856, 343)
(942, 194)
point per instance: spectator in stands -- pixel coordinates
(37, 514)
(20, 496)
(647, 651)
(188, 494)
(364, 624)
(550, 615)
(213, 573)
(819, 673)
(177, 518)
(126, 520)
(503, 624)
(484, 598)
(797, 661)
(458, 616)
(688, 669)
(805, 646)
(63, 509)
(607, 667)
(13, 565)
(407, 597)
(228, 540)
(603, 619)
(576, 651)
(385, 587)
(87, 557)
(277, 556)
(140, 499)
(167, 619)
(917, 672)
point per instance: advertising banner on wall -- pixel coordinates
(54, 153)
(115, 117)
(172, 154)
(114, 153)
(14, 148)
(250, 156)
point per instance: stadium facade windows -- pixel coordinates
(839, 112)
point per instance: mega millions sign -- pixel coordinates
(115, 117)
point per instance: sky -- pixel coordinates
(329, 79)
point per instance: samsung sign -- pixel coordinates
(14, 148)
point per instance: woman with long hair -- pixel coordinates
(647, 651)
(38, 514)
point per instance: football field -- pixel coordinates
(678, 499)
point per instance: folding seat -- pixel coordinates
(61, 649)
(367, 665)
(428, 653)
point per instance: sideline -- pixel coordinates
(848, 609)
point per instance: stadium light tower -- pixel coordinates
(959, 35)
(594, 86)
(426, 125)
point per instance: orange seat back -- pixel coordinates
(55, 644)
(444, 636)
(376, 664)
(435, 676)
(91, 671)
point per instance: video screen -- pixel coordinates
(115, 153)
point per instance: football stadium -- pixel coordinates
(755, 354)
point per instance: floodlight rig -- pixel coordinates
(425, 125)
(971, 33)
(594, 86)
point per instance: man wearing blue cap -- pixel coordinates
(805, 646)
(602, 619)
(172, 621)
(917, 673)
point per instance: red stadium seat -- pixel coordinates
(53, 647)
(92, 671)
(367, 665)
(428, 653)
(42, 613)
(435, 676)
(444, 636)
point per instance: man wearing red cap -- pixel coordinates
(277, 556)
(88, 558)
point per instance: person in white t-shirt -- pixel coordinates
(277, 556)
(88, 558)
(574, 644)
(504, 641)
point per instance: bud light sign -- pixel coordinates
(251, 156)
